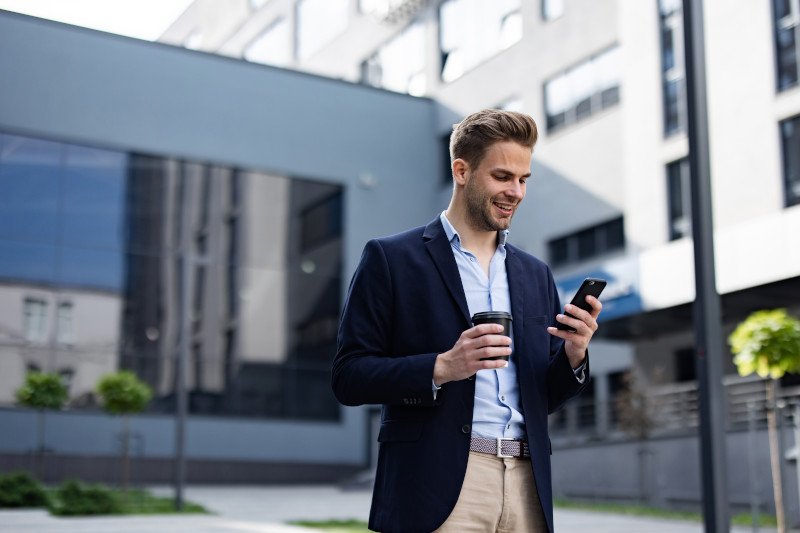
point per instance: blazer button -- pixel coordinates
(466, 429)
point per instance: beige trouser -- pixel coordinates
(499, 495)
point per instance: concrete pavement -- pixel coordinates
(267, 509)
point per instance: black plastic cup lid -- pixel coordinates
(491, 315)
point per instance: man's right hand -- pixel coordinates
(464, 359)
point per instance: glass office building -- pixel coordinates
(95, 246)
(194, 219)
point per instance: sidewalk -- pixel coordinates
(266, 510)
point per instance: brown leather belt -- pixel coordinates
(500, 447)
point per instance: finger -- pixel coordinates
(572, 321)
(492, 351)
(574, 336)
(492, 340)
(596, 304)
(577, 312)
(483, 329)
(489, 364)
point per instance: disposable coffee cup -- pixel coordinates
(494, 317)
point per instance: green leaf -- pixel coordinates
(123, 393)
(767, 343)
(42, 391)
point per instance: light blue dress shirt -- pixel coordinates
(497, 411)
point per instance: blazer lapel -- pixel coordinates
(516, 287)
(442, 254)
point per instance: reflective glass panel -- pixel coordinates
(109, 260)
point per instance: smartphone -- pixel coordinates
(589, 287)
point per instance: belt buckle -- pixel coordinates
(500, 448)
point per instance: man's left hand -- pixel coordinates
(585, 324)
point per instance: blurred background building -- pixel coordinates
(277, 136)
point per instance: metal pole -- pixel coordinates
(707, 315)
(751, 453)
(180, 380)
(796, 417)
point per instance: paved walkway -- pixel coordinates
(267, 509)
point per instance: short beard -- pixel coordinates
(479, 210)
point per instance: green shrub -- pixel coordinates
(20, 489)
(73, 498)
(123, 393)
(42, 390)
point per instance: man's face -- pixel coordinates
(495, 189)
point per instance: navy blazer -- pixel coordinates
(405, 306)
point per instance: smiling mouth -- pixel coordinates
(505, 208)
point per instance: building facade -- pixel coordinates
(606, 82)
(247, 118)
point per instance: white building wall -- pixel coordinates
(615, 161)
(92, 352)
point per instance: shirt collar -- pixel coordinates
(454, 238)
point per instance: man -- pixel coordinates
(406, 341)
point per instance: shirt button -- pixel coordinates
(508, 426)
(466, 429)
(502, 398)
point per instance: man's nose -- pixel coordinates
(515, 190)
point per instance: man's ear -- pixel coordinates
(460, 170)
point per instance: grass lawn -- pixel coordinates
(84, 500)
(355, 526)
(142, 502)
(336, 526)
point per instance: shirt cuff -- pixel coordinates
(579, 374)
(436, 389)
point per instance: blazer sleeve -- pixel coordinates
(562, 383)
(365, 371)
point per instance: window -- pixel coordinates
(587, 411)
(322, 222)
(587, 243)
(447, 168)
(787, 21)
(255, 5)
(790, 137)
(318, 23)
(685, 369)
(65, 334)
(552, 9)
(512, 104)
(98, 241)
(472, 31)
(679, 199)
(583, 90)
(399, 65)
(384, 9)
(618, 385)
(273, 46)
(35, 320)
(672, 70)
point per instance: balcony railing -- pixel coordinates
(670, 409)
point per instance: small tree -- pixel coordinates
(768, 343)
(636, 417)
(42, 391)
(124, 394)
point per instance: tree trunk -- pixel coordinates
(774, 453)
(40, 446)
(126, 467)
